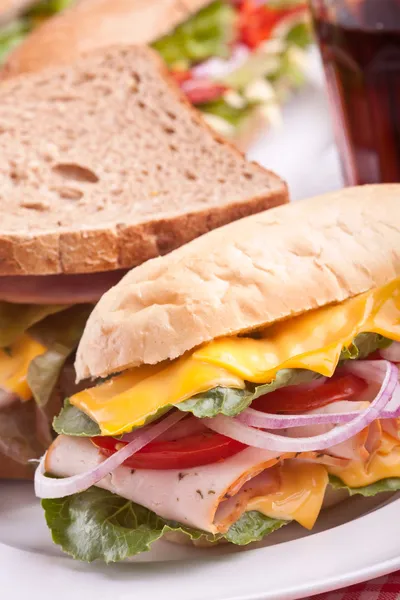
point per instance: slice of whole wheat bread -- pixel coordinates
(105, 165)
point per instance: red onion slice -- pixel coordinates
(46, 487)
(384, 370)
(391, 353)
(255, 418)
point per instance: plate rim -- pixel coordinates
(121, 577)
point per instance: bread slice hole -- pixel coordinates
(171, 115)
(68, 193)
(74, 172)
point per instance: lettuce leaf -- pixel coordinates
(20, 435)
(222, 109)
(15, 319)
(300, 35)
(60, 333)
(252, 526)
(99, 525)
(231, 402)
(72, 421)
(391, 484)
(364, 345)
(48, 8)
(10, 36)
(208, 33)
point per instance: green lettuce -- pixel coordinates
(15, 319)
(60, 333)
(48, 8)
(99, 525)
(300, 35)
(252, 526)
(11, 36)
(364, 345)
(20, 439)
(222, 109)
(391, 484)
(74, 422)
(208, 33)
(231, 402)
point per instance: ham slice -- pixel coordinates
(189, 496)
(58, 289)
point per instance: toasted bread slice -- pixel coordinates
(105, 165)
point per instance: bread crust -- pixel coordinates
(246, 275)
(93, 24)
(87, 248)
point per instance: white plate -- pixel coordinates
(349, 544)
(298, 564)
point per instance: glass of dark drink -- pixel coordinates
(360, 47)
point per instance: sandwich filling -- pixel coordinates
(234, 58)
(36, 345)
(230, 59)
(233, 440)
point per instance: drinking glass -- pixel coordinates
(359, 42)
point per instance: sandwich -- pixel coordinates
(243, 381)
(95, 178)
(18, 18)
(236, 61)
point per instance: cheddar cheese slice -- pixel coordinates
(300, 496)
(14, 364)
(312, 341)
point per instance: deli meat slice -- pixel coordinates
(58, 289)
(189, 496)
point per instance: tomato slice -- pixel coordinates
(292, 400)
(203, 91)
(185, 453)
(256, 21)
(181, 76)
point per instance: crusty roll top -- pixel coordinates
(248, 274)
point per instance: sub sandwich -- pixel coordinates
(81, 204)
(237, 62)
(240, 381)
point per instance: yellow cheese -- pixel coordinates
(14, 364)
(383, 464)
(134, 403)
(311, 341)
(300, 496)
